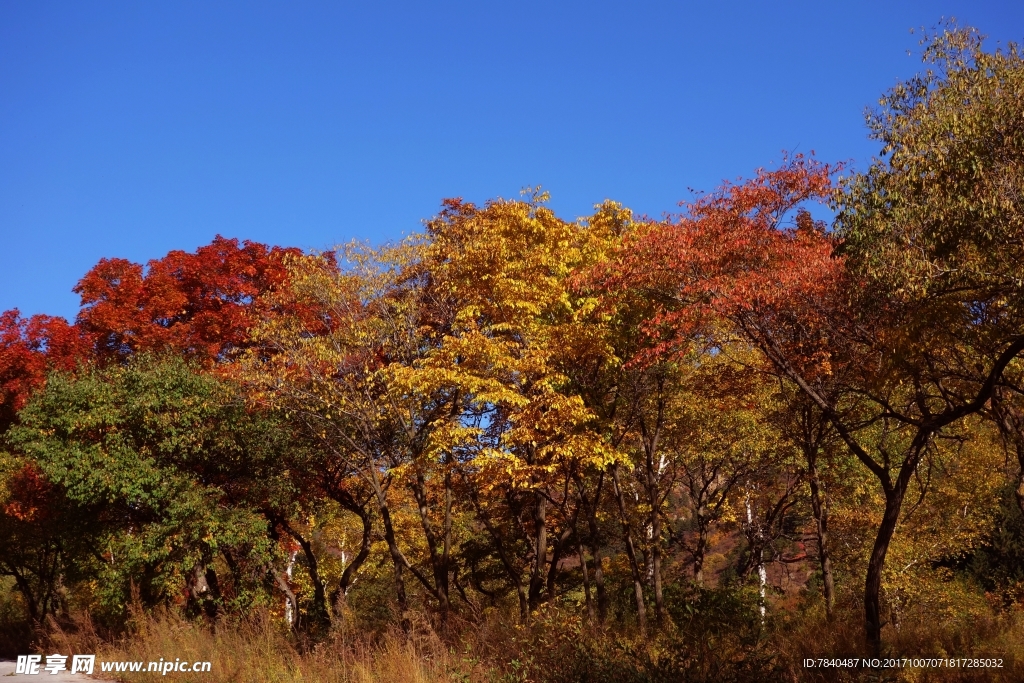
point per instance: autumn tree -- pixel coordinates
(171, 467)
(46, 539)
(29, 349)
(811, 434)
(521, 411)
(199, 304)
(341, 372)
(936, 223)
(783, 289)
(503, 271)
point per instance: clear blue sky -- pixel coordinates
(129, 129)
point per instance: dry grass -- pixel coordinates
(997, 636)
(557, 648)
(255, 650)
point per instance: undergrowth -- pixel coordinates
(713, 636)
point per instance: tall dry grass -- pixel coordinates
(711, 646)
(257, 650)
(926, 636)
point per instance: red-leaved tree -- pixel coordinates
(748, 260)
(200, 304)
(29, 348)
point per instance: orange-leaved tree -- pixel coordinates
(513, 326)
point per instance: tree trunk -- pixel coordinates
(586, 580)
(204, 589)
(319, 615)
(653, 466)
(894, 494)
(540, 550)
(655, 524)
(819, 509)
(397, 560)
(214, 583)
(349, 573)
(757, 556)
(594, 541)
(556, 559)
(873, 583)
(291, 613)
(30, 601)
(1011, 424)
(638, 587)
(446, 548)
(1019, 491)
(499, 545)
(437, 561)
(599, 587)
(699, 550)
(399, 565)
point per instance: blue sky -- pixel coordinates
(129, 129)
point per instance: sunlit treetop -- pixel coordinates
(200, 304)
